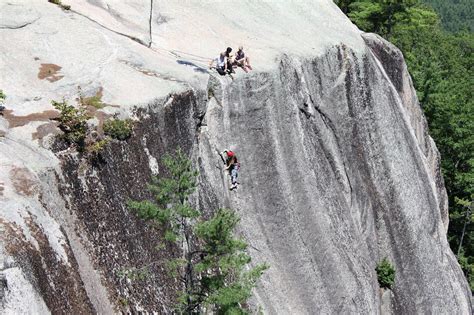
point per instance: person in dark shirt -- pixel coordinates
(242, 60)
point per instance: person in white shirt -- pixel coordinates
(223, 62)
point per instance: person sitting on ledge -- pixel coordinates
(241, 60)
(223, 63)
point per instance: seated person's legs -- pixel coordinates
(230, 69)
(240, 62)
(220, 70)
(247, 62)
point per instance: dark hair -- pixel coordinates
(227, 51)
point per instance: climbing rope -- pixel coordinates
(198, 61)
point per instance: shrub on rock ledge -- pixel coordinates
(118, 129)
(72, 121)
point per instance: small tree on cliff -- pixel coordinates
(385, 273)
(213, 261)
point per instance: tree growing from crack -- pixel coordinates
(2, 97)
(213, 268)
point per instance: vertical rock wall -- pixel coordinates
(338, 172)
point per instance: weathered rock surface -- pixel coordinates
(338, 169)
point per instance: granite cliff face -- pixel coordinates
(338, 169)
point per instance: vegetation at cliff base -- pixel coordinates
(385, 273)
(441, 66)
(213, 268)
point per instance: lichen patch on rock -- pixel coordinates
(59, 284)
(50, 72)
(23, 181)
(17, 121)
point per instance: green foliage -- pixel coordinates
(344, 5)
(213, 267)
(2, 97)
(456, 15)
(94, 101)
(441, 66)
(175, 265)
(97, 146)
(118, 129)
(134, 273)
(468, 267)
(385, 273)
(170, 207)
(227, 289)
(377, 16)
(123, 301)
(72, 121)
(467, 218)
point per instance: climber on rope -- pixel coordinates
(241, 60)
(232, 166)
(223, 63)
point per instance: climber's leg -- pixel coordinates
(233, 177)
(220, 70)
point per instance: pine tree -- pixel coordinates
(213, 262)
(224, 284)
(378, 16)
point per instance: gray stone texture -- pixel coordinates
(336, 177)
(338, 170)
